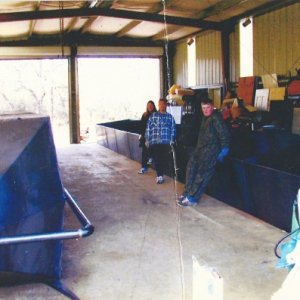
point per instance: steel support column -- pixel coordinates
(74, 98)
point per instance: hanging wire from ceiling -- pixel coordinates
(166, 45)
(61, 27)
(178, 211)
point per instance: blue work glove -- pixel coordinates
(224, 152)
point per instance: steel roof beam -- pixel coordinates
(116, 13)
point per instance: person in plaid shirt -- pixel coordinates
(160, 134)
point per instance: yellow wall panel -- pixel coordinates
(181, 65)
(234, 53)
(276, 41)
(208, 58)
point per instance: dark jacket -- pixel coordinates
(213, 136)
(144, 120)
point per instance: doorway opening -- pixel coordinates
(112, 89)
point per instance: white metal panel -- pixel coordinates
(108, 25)
(137, 5)
(9, 6)
(189, 7)
(32, 52)
(229, 9)
(51, 26)
(183, 31)
(119, 51)
(276, 41)
(150, 28)
(11, 30)
(209, 59)
(56, 51)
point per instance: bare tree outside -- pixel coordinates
(110, 89)
(38, 86)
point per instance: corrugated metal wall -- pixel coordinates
(208, 58)
(276, 49)
(276, 41)
(181, 64)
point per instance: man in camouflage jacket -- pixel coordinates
(212, 146)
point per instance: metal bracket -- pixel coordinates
(85, 231)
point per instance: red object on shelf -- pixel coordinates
(294, 88)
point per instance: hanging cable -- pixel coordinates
(281, 240)
(178, 220)
(296, 211)
(178, 212)
(166, 45)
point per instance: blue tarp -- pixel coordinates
(31, 195)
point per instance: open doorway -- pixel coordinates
(113, 89)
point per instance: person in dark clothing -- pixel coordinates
(146, 157)
(212, 146)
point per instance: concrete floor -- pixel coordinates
(143, 242)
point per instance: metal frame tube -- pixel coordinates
(85, 231)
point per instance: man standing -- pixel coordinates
(160, 134)
(212, 146)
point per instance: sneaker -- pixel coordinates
(181, 198)
(186, 202)
(160, 179)
(150, 161)
(142, 170)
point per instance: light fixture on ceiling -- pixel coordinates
(246, 22)
(190, 41)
